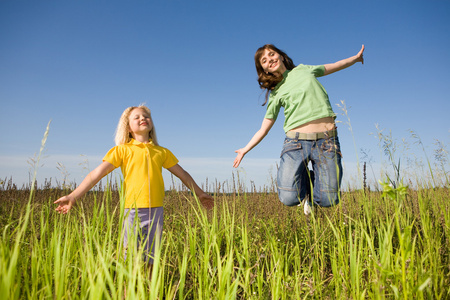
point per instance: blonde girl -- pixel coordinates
(141, 160)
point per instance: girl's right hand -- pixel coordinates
(64, 204)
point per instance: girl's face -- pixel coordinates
(272, 62)
(140, 122)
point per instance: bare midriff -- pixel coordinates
(319, 125)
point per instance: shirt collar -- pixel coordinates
(286, 73)
(134, 142)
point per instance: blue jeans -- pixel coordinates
(293, 177)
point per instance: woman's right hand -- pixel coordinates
(240, 155)
(259, 135)
(359, 56)
(64, 204)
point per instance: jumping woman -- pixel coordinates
(311, 132)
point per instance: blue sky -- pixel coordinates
(81, 63)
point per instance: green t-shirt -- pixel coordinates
(303, 97)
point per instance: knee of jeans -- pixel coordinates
(288, 198)
(329, 199)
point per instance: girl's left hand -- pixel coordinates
(207, 201)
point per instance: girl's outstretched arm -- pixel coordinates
(65, 203)
(205, 199)
(256, 139)
(345, 63)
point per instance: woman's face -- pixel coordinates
(272, 62)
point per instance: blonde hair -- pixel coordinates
(123, 134)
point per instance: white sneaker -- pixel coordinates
(307, 208)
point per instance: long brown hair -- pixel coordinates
(269, 81)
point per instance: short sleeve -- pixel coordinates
(170, 160)
(318, 71)
(273, 108)
(114, 157)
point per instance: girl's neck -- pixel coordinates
(141, 138)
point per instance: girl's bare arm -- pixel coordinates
(65, 203)
(187, 179)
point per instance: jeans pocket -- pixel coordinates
(290, 145)
(331, 146)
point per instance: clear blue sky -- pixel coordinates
(81, 63)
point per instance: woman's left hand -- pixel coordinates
(359, 56)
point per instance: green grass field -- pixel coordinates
(373, 245)
(389, 243)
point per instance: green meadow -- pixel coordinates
(391, 244)
(384, 241)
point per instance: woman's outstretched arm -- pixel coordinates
(345, 63)
(256, 139)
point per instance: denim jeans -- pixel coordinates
(293, 177)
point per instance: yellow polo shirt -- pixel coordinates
(141, 166)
